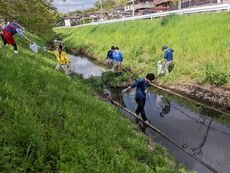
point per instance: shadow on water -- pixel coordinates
(201, 131)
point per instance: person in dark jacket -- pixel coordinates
(109, 57)
(140, 96)
(168, 56)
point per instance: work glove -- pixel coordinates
(124, 91)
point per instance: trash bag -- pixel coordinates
(160, 68)
(34, 47)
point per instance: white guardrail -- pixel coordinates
(210, 8)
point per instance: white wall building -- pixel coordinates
(67, 22)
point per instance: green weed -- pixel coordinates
(117, 79)
(196, 40)
(51, 124)
(216, 77)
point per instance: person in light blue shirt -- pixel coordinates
(109, 57)
(140, 96)
(168, 56)
(117, 59)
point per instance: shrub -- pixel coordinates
(114, 80)
(96, 83)
(214, 76)
(165, 20)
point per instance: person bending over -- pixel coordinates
(140, 96)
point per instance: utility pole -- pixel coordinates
(133, 8)
(179, 4)
(83, 10)
(101, 9)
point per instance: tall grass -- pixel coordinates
(198, 40)
(51, 124)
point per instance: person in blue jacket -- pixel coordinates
(168, 56)
(140, 96)
(117, 59)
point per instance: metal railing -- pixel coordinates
(203, 9)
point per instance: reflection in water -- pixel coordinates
(85, 67)
(200, 133)
(163, 104)
(198, 150)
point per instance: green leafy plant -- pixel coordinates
(51, 124)
(96, 83)
(165, 20)
(117, 79)
(214, 76)
(196, 39)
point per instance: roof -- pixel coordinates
(119, 8)
(131, 1)
(158, 2)
(73, 17)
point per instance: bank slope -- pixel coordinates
(201, 45)
(51, 124)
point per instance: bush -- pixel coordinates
(117, 80)
(136, 51)
(36, 16)
(165, 20)
(196, 40)
(214, 76)
(96, 83)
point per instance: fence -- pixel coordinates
(203, 9)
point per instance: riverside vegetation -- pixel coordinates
(51, 124)
(201, 45)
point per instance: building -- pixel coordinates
(72, 21)
(139, 7)
(97, 16)
(117, 13)
(192, 3)
(163, 5)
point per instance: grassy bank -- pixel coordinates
(51, 124)
(201, 45)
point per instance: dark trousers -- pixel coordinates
(140, 108)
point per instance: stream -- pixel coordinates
(203, 132)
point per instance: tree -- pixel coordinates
(38, 16)
(109, 4)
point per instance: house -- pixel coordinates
(139, 7)
(99, 15)
(117, 12)
(72, 21)
(162, 5)
(192, 3)
(94, 17)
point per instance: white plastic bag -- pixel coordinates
(160, 68)
(34, 47)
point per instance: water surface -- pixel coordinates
(203, 132)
